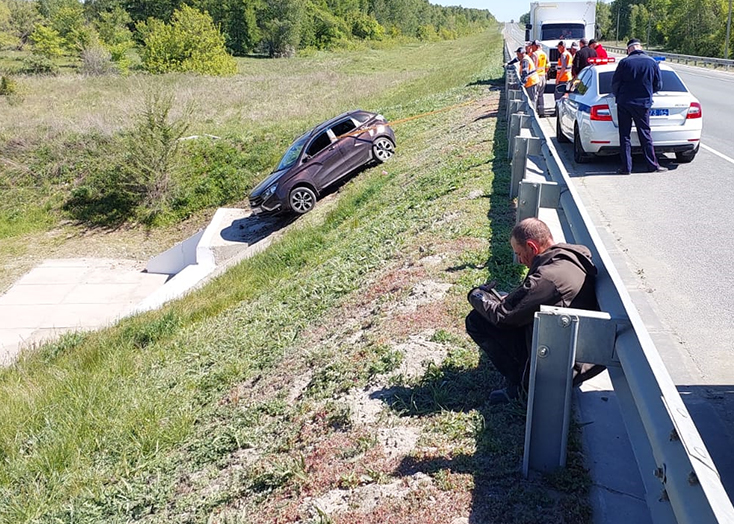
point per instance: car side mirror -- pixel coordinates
(305, 159)
(563, 89)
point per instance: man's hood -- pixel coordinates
(576, 254)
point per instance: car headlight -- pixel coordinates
(269, 191)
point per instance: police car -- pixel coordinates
(587, 115)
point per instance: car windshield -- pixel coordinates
(671, 82)
(293, 153)
(563, 32)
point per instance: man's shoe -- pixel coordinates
(504, 395)
(621, 171)
(659, 169)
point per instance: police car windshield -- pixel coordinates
(671, 82)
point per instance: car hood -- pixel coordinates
(272, 179)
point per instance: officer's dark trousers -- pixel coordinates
(626, 114)
(506, 348)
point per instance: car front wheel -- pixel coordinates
(382, 149)
(302, 200)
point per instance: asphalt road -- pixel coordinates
(676, 230)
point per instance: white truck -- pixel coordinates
(551, 22)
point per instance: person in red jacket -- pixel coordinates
(600, 51)
(559, 275)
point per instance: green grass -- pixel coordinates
(188, 414)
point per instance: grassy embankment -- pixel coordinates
(327, 379)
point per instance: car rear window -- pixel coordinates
(362, 116)
(671, 82)
(342, 128)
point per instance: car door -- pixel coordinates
(324, 159)
(575, 103)
(354, 147)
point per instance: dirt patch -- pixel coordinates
(426, 292)
(365, 499)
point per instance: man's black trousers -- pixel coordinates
(626, 114)
(506, 348)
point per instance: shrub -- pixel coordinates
(136, 179)
(96, 61)
(39, 65)
(191, 42)
(8, 86)
(365, 27)
(47, 42)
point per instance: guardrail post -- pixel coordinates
(512, 95)
(534, 195)
(524, 146)
(560, 337)
(518, 122)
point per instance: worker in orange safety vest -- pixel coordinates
(563, 73)
(541, 66)
(528, 74)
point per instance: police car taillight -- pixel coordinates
(599, 61)
(601, 113)
(694, 111)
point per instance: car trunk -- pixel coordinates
(669, 105)
(668, 109)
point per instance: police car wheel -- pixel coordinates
(686, 156)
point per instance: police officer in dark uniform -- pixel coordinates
(636, 78)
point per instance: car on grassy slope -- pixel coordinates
(319, 158)
(587, 116)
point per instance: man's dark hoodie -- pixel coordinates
(563, 276)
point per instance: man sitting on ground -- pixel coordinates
(560, 275)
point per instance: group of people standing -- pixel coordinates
(534, 66)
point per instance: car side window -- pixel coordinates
(344, 127)
(319, 144)
(584, 81)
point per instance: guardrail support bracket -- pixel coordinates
(561, 336)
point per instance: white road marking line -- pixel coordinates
(720, 155)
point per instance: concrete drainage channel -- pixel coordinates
(66, 295)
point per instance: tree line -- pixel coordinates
(691, 27)
(180, 34)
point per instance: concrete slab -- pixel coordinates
(36, 294)
(63, 295)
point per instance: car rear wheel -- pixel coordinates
(579, 155)
(382, 149)
(686, 156)
(559, 133)
(302, 200)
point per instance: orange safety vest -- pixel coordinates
(541, 62)
(527, 67)
(566, 76)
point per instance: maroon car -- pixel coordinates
(320, 157)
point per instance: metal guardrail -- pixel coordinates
(681, 481)
(683, 59)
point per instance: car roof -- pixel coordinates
(319, 128)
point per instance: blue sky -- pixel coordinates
(503, 10)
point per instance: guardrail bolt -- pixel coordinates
(664, 496)
(543, 351)
(564, 321)
(659, 473)
(674, 436)
(692, 478)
